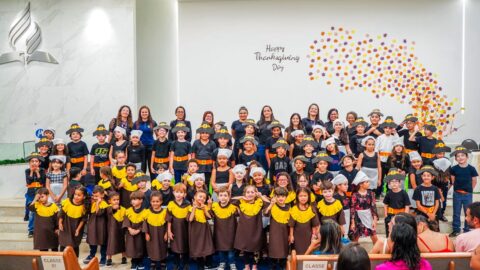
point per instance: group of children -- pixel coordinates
(193, 187)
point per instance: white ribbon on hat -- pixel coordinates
(136, 132)
(224, 152)
(240, 168)
(442, 164)
(414, 155)
(339, 179)
(360, 178)
(121, 130)
(257, 169)
(328, 141)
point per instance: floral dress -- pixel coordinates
(363, 209)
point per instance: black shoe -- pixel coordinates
(25, 218)
(454, 234)
(30, 234)
(87, 259)
(109, 262)
(444, 219)
(124, 260)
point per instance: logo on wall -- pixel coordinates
(24, 31)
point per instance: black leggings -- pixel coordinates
(278, 263)
(76, 249)
(180, 260)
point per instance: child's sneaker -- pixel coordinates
(221, 266)
(102, 262)
(109, 262)
(124, 260)
(233, 266)
(87, 259)
(140, 267)
(133, 267)
(30, 234)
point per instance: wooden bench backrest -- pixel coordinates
(439, 261)
(23, 260)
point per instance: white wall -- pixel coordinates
(157, 51)
(218, 70)
(93, 42)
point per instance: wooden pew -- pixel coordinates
(40, 260)
(439, 261)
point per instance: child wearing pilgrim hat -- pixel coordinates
(99, 154)
(77, 148)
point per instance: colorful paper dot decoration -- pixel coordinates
(384, 66)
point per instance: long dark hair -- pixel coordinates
(353, 256)
(406, 218)
(330, 238)
(317, 118)
(118, 120)
(300, 124)
(262, 117)
(289, 185)
(405, 247)
(149, 120)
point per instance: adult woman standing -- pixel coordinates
(312, 119)
(331, 117)
(295, 124)
(181, 115)
(238, 130)
(123, 119)
(266, 117)
(351, 118)
(145, 123)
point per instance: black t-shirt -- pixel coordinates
(278, 165)
(100, 152)
(294, 176)
(265, 190)
(239, 129)
(122, 147)
(263, 132)
(203, 152)
(320, 177)
(167, 196)
(406, 139)
(418, 177)
(370, 162)
(350, 176)
(426, 195)
(297, 150)
(77, 149)
(31, 179)
(308, 124)
(373, 134)
(136, 153)
(309, 165)
(356, 144)
(425, 145)
(397, 200)
(269, 144)
(180, 149)
(161, 149)
(45, 163)
(463, 177)
(246, 159)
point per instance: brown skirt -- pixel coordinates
(278, 240)
(157, 246)
(249, 234)
(44, 236)
(200, 239)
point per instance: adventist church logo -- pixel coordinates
(24, 37)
